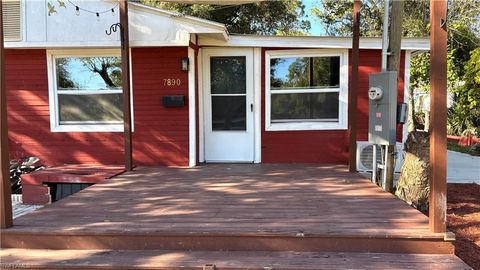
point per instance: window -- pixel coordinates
(228, 87)
(306, 90)
(86, 92)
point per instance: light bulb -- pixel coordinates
(98, 16)
(77, 11)
(113, 12)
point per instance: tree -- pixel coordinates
(264, 18)
(337, 17)
(465, 114)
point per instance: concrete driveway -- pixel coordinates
(463, 168)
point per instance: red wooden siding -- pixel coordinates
(161, 134)
(29, 118)
(160, 137)
(323, 146)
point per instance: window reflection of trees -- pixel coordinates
(228, 75)
(79, 79)
(300, 74)
(305, 72)
(107, 68)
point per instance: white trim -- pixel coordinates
(257, 95)
(310, 42)
(201, 121)
(23, 21)
(79, 92)
(309, 90)
(192, 136)
(406, 91)
(110, 44)
(341, 124)
(53, 92)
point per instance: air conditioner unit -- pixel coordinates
(365, 156)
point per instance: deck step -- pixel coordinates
(16, 238)
(157, 259)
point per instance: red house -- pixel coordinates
(202, 95)
(199, 93)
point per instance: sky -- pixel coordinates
(317, 28)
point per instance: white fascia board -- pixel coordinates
(310, 42)
(106, 45)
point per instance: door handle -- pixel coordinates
(251, 107)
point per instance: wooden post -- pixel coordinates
(438, 115)
(353, 94)
(393, 64)
(5, 188)
(127, 118)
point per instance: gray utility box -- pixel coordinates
(382, 108)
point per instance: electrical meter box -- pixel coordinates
(382, 108)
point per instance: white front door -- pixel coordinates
(228, 103)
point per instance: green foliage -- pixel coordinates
(264, 18)
(420, 72)
(465, 114)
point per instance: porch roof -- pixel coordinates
(155, 27)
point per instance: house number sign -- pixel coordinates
(171, 82)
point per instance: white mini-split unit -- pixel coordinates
(365, 156)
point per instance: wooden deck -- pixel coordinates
(234, 216)
(230, 207)
(236, 260)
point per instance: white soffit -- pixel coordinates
(422, 44)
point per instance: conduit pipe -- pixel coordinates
(386, 16)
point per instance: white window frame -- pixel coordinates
(342, 90)
(55, 125)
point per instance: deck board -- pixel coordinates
(156, 259)
(238, 198)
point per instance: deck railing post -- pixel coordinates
(5, 189)
(127, 118)
(353, 89)
(438, 115)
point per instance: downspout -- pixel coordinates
(386, 16)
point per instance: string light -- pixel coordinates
(97, 13)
